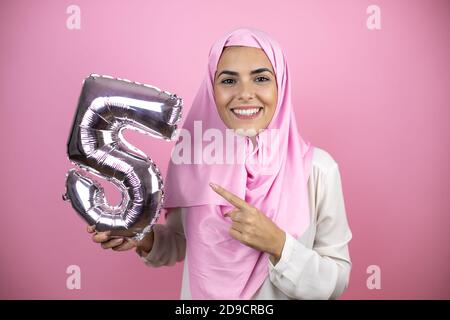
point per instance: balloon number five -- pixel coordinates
(96, 144)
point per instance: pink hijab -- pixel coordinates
(221, 267)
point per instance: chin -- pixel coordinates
(247, 132)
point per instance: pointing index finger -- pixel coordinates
(230, 197)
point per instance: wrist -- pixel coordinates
(278, 248)
(146, 244)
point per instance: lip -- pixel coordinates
(247, 117)
(245, 107)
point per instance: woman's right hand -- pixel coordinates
(115, 243)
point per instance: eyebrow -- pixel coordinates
(234, 73)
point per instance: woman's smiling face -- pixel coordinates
(245, 88)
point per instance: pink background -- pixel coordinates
(377, 101)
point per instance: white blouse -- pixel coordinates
(315, 266)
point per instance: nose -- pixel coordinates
(246, 92)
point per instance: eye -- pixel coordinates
(264, 79)
(225, 81)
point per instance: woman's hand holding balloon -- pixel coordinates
(143, 247)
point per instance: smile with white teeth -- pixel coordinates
(246, 113)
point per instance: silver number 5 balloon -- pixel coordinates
(106, 107)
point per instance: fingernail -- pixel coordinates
(212, 185)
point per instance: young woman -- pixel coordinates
(272, 226)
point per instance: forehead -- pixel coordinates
(243, 58)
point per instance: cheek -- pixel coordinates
(269, 97)
(221, 98)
